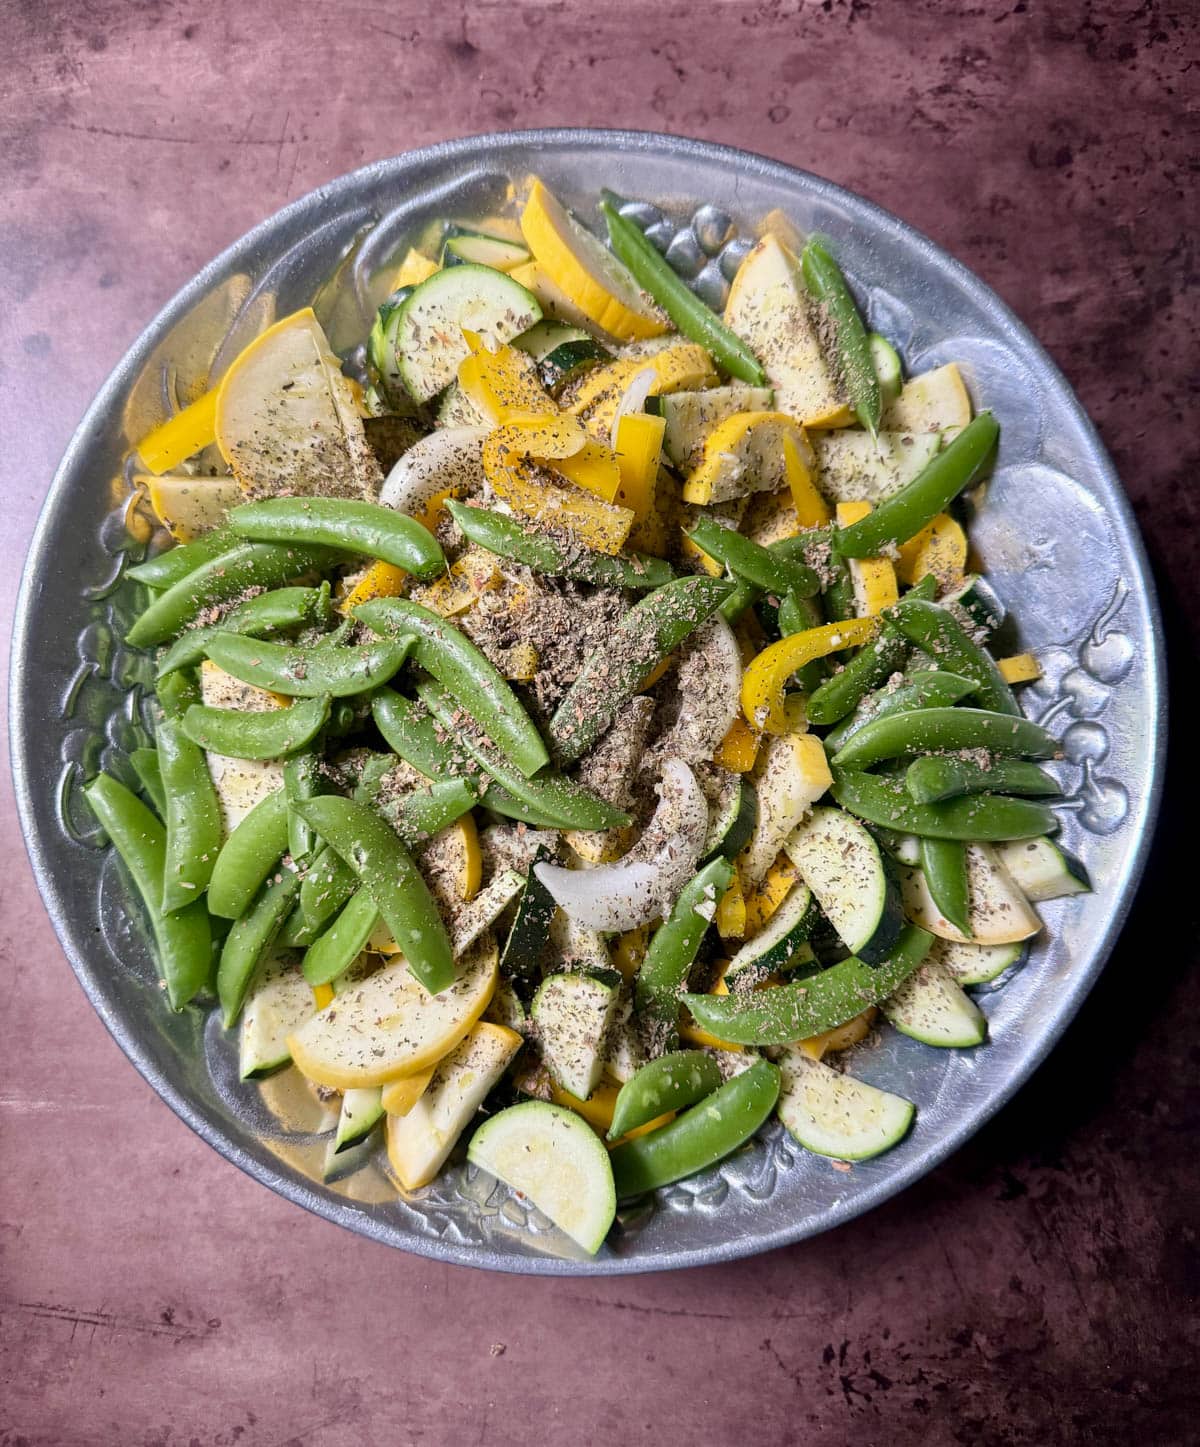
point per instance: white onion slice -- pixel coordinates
(709, 681)
(647, 881)
(633, 399)
(450, 458)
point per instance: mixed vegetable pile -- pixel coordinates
(576, 725)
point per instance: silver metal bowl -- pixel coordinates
(1056, 534)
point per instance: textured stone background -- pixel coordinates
(1040, 1287)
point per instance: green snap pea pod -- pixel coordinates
(681, 304)
(328, 667)
(166, 568)
(932, 779)
(364, 528)
(295, 933)
(874, 662)
(425, 812)
(506, 537)
(670, 954)
(249, 940)
(327, 885)
(411, 730)
(986, 817)
(782, 1014)
(612, 674)
(744, 596)
(145, 766)
(929, 730)
(826, 285)
(944, 864)
(192, 817)
(269, 735)
(249, 854)
(475, 684)
(177, 693)
(906, 512)
(183, 940)
(669, 1083)
(267, 613)
(228, 575)
(386, 870)
(937, 632)
(700, 1137)
(925, 688)
(339, 946)
(772, 571)
(561, 802)
(301, 780)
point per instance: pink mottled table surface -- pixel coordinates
(1041, 1286)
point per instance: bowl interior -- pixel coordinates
(1055, 535)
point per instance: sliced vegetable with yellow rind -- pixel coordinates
(853, 465)
(745, 454)
(841, 1037)
(939, 548)
(473, 573)
(769, 309)
(190, 506)
(932, 402)
(678, 367)
(401, 1095)
(583, 268)
(769, 894)
(874, 579)
(420, 1139)
(391, 1026)
(764, 680)
(380, 580)
(191, 430)
(791, 775)
(413, 270)
(287, 420)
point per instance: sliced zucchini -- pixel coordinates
(381, 341)
(572, 1013)
(977, 598)
(1041, 870)
(429, 341)
(854, 466)
(997, 910)
(471, 919)
(691, 416)
(361, 1112)
(904, 848)
(525, 948)
(280, 1000)
(888, 369)
(932, 1007)
(566, 364)
(732, 811)
(544, 337)
(554, 1159)
(835, 1115)
(852, 879)
(457, 410)
(467, 247)
(975, 964)
(775, 946)
(622, 1049)
(932, 402)
(419, 1141)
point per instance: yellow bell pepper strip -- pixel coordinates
(639, 452)
(812, 511)
(504, 386)
(520, 663)
(874, 579)
(182, 436)
(731, 910)
(322, 995)
(629, 950)
(1019, 668)
(764, 680)
(459, 589)
(738, 750)
(527, 490)
(841, 1037)
(761, 903)
(939, 549)
(414, 269)
(381, 580)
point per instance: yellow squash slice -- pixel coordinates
(745, 454)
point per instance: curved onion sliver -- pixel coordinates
(449, 459)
